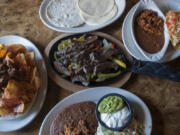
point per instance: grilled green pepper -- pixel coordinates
(109, 75)
(119, 62)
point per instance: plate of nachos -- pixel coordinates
(23, 82)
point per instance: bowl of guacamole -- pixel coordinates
(114, 112)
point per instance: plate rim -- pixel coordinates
(86, 91)
(44, 91)
(68, 30)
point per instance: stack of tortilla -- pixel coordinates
(96, 12)
(73, 13)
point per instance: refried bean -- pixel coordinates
(149, 31)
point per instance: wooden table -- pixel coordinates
(21, 17)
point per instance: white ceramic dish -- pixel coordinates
(130, 46)
(150, 5)
(15, 123)
(94, 94)
(84, 28)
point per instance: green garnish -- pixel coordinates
(111, 104)
(55, 56)
(63, 44)
(64, 76)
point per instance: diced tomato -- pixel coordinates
(113, 46)
(96, 46)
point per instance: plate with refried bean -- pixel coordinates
(77, 114)
(148, 36)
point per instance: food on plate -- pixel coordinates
(74, 13)
(76, 119)
(19, 81)
(115, 117)
(64, 13)
(96, 8)
(173, 25)
(149, 31)
(113, 112)
(88, 59)
(134, 128)
(97, 12)
(96, 20)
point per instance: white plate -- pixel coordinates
(27, 117)
(84, 28)
(130, 46)
(94, 94)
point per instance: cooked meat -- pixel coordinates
(64, 51)
(110, 52)
(60, 68)
(104, 66)
(87, 69)
(3, 80)
(3, 71)
(96, 57)
(79, 78)
(81, 129)
(88, 41)
(9, 102)
(82, 60)
(78, 71)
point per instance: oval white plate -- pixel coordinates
(84, 28)
(94, 94)
(31, 113)
(130, 46)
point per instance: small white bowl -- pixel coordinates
(150, 5)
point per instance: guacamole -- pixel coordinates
(111, 104)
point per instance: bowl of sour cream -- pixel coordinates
(114, 112)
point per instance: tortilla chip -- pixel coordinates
(2, 46)
(30, 58)
(4, 112)
(16, 48)
(3, 53)
(18, 94)
(37, 82)
(33, 74)
(20, 108)
(12, 90)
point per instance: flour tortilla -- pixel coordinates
(99, 20)
(64, 13)
(96, 8)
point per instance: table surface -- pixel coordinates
(21, 17)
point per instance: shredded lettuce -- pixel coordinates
(135, 128)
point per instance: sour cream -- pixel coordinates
(116, 119)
